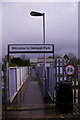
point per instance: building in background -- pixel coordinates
(49, 61)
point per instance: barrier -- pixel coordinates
(61, 76)
(56, 74)
(21, 76)
(17, 76)
(50, 79)
(12, 82)
(40, 72)
(50, 82)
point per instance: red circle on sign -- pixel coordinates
(72, 66)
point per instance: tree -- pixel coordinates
(19, 62)
(57, 56)
(3, 67)
(72, 56)
(50, 56)
(6, 57)
(23, 57)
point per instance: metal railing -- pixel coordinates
(56, 74)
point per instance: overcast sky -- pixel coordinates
(61, 25)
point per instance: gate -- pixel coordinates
(55, 74)
(59, 75)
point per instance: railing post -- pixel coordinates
(44, 87)
(53, 80)
(66, 64)
(79, 83)
(47, 79)
(74, 84)
(5, 85)
(58, 70)
(56, 75)
(71, 76)
(63, 70)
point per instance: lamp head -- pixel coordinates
(33, 13)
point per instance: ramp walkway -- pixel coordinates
(30, 103)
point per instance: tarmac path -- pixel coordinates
(29, 103)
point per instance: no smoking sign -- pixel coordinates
(70, 69)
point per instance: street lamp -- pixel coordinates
(33, 13)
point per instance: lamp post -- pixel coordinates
(33, 13)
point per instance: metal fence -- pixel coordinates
(12, 83)
(50, 82)
(13, 79)
(17, 76)
(56, 74)
(40, 72)
(61, 76)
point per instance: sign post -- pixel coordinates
(70, 70)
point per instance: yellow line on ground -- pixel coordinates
(31, 106)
